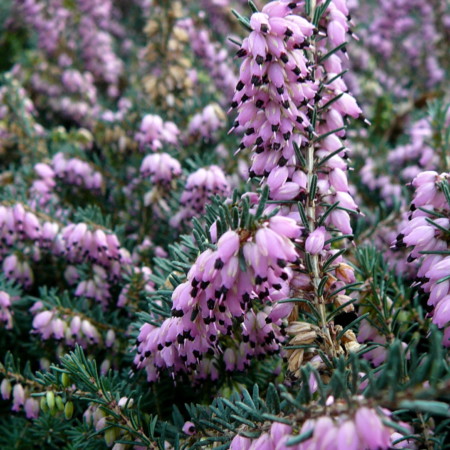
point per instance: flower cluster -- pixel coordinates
(70, 171)
(406, 161)
(68, 92)
(79, 244)
(61, 326)
(153, 132)
(278, 90)
(76, 82)
(49, 21)
(97, 43)
(277, 87)
(427, 232)
(214, 58)
(292, 104)
(67, 88)
(206, 123)
(21, 398)
(219, 293)
(264, 93)
(22, 229)
(200, 186)
(161, 168)
(24, 237)
(364, 430)
(75, 171)
(409, 33)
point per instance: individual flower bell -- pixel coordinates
(18, 397)
(315, 241)
(32, 408)
(189, 428)
(371, 429)
(240, 443)
(5, 389)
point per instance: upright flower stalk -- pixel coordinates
(292, 103)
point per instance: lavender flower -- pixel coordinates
(6, 315)
(426, 233)
(5, 389)
(213, 57)
(189, 428)
(200, 186)
(161, 168)
(221, 293)
(206, 123)
(364, 429)
(18, 397)
(72, 171)
(292, 103)
(406, 32)
(154, 132)
(52, 324)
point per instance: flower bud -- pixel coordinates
(50, 397)
(68, 410)
(59, 403)
(5, 389)
(65, 380)
(31, 408)
(110, 338)
(125, 401)
(315, 241)
(43, 404)
(110, 436)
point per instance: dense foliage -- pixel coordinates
(224, 224)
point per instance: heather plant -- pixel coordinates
(224, 224)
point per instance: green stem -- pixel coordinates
(311, 214)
